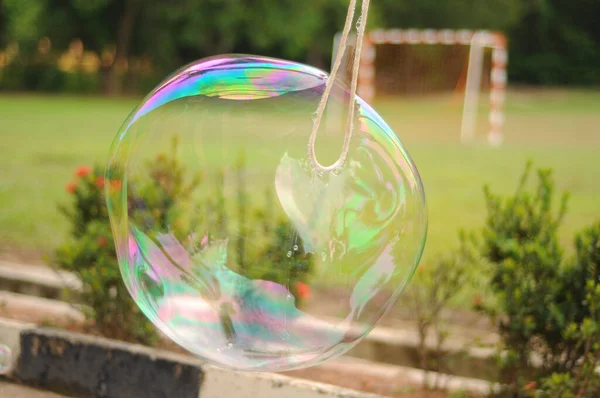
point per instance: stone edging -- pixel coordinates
(392, 346)
(88, 366)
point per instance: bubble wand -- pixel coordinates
(361, 28)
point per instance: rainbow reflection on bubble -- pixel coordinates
(264, 263)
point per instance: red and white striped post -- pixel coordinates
(499, 80)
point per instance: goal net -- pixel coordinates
(429, 62)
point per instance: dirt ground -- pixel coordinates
(19, 391)
(399, 387)
(13, 254)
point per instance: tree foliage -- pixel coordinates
(455, 14)
(556, 42)
(551, 41)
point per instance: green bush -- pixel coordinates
(433, 291)
(165, 203)
(90, 254)
(580, 297)
(273, 259)
(47, 78)
(80, 82)
(164, 200)
(547, 306)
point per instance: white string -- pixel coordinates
(361, 28)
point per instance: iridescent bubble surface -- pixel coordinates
(6, 359)
(263, 262)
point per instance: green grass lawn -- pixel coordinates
(43, 139)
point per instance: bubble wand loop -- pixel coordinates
(361, 28)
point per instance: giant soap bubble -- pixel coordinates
(223, 237)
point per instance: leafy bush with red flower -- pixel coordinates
(279, 260)
(91, 253)
(168, 197)
(303, 290)
(277, 263)
(83, 171)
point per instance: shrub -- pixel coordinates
(90, 254)
(165, 203)
(548, 309)
(281, 264)
(276, 260)
(47, 78)
(580, 296)
(433, 291)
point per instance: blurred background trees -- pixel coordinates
(556, 42)
(129, 45)
(453, 14)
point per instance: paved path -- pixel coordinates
(18, 391)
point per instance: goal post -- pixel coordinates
(478, 42)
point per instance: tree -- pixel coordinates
(556, 42)
(290, 29)
(455, 14)
(3, 22)
(173, 33)
(22, 17)
(100, 24)
(551, 41)
(91, 21)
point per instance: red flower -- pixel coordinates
(100, 182)
(71, 187)
(303, 290)
(116, 184)
(530, 386)
(102, 241)
(82, 171)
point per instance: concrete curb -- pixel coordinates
(38, 309)
(10, 335)
(401, 347)
(89, 366)
(222, 383)
(391, 346)
(37, 280)
(450, 383)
